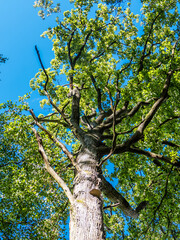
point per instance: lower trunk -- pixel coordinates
(86, 218)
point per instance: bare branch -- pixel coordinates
(51, 171)
(47, 78)
(46, 93)
(54, 139)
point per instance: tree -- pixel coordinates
(2, 59)
(110, 140)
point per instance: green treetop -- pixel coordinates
(119, 101)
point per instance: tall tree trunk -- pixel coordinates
(86, 218)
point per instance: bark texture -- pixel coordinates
(86, 217)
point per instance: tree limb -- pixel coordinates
(47, 94)
(110, 192)
(170, 144)
(51, 171)
(82, 47)
(169, 119)
(164, 94)
(123, 113)
(44, 70)
(153, 155)
(98, 90)
(144, 55)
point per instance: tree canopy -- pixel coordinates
(114, 78)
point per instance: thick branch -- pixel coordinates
(51, 171)
(119, 115)
(75, 116)
(139, 133)
(153, 155)
(171, 144)
(69, 50)
(123, 113)
(136, 108)
(110, 192)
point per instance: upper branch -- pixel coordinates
(144, 54)
(169, 119)
(75, 116)
(170, 144)
(139, 133)
(98, 90)
(47, 94)
(69, 50)
(47, 78)
(123, 113)
(82, 47)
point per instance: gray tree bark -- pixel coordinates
(86, 217)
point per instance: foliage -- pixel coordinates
(2, 59)
(118, 61)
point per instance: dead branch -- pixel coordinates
(44, 70)
(51, 171)
(54, 139)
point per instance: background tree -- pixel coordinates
(111, 137)
(2, 59)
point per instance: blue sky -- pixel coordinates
(20, 28)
